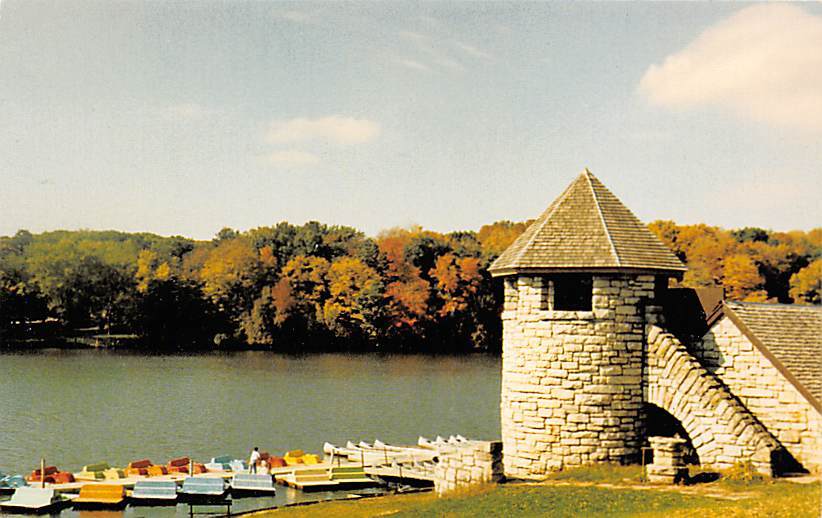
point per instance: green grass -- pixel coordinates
(559, 497)
(610, 473)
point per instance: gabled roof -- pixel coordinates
(789, 336)
(586, 228)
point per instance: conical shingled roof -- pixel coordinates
(586, 228)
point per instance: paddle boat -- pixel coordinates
(156, 471)
(154, 492)
(138, 468)
(178, 465)
(252, 484)
(221, 463)
(35, 500)
(294, 457)
(238, 466)
(101, 496)
(311, 479)
(351, 477)
(183, 464)
(114, 474)
(93, 472)
(8, 483)
(52, 476)
(48, 471)
(203, 489)
(276, 462)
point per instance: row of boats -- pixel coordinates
(153, 492)
(183, 480)
(180, 465)
(49, 489)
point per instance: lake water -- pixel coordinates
(77, 407)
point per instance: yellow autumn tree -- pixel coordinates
(355, 299)
(741, 279)
(806, 284)
(498, 236)
(150, 268)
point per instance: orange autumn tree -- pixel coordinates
(406, 293)
(457, 281)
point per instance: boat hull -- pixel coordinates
(91, 505)
(200, 498)
(47, 509)
(152, 502)
(247, 492)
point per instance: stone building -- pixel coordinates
(769, 356)
(585, 351)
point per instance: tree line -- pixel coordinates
(317, 287)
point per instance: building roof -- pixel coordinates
(789, 335)
(586, 228)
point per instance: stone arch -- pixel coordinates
(722, 430)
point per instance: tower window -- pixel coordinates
(573, 292)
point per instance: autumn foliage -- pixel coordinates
(750, 264)
(320, 287)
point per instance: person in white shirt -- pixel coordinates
(252, 463)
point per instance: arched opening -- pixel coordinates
(660, 423)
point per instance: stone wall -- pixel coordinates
(572, 380)
(465, 464)
(721, 429)
(774, 400)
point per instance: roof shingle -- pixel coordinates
(790, 333)
(586, 227)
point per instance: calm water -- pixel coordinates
(78, 407)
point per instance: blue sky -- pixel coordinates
(183, 118)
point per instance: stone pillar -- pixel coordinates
(669, 461)
(572, 380)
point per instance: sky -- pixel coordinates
(181, 118)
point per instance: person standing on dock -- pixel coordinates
(252, 463)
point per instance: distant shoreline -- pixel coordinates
(136, 344)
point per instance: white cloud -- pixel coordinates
(336, 129)
(763, 63)
(292, 158)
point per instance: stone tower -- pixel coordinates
(580, 286)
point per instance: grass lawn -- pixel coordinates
(613, 492)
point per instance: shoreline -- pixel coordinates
(137, 344)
